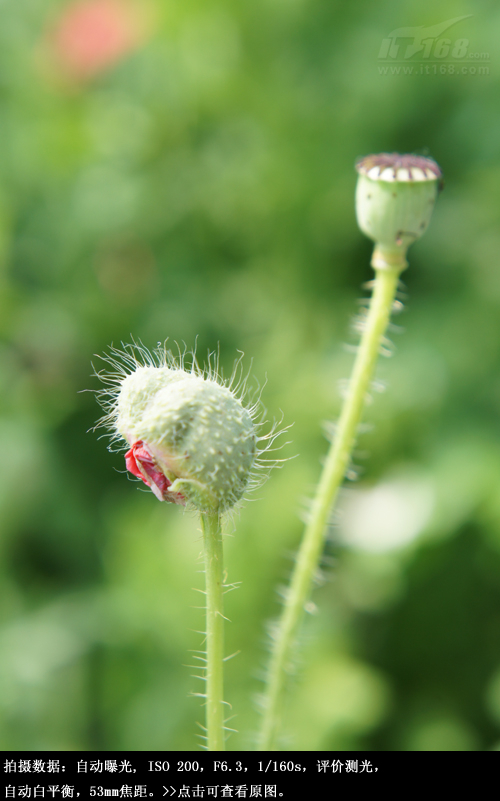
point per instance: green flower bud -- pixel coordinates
(395, 196)
(191, 439)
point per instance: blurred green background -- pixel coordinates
(185, 170)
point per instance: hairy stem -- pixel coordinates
(336, 465)
(212, 540)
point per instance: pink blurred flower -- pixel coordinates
(91, 36)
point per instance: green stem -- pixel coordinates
(212, 540)
(337, 463)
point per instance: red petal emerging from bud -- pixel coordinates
(140, 463)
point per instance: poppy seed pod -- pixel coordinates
(395, 196)
(189, 436)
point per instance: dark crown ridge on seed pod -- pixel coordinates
(397, 167)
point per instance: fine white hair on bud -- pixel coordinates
(395, 196)
(193, 437)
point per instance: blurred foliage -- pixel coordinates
(197, 181)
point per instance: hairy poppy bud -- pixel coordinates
(192, 440)
(395, 196)
(189, 436)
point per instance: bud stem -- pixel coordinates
(336, 465)
(212, 541)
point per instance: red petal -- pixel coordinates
(131, 464)
(141, 464)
